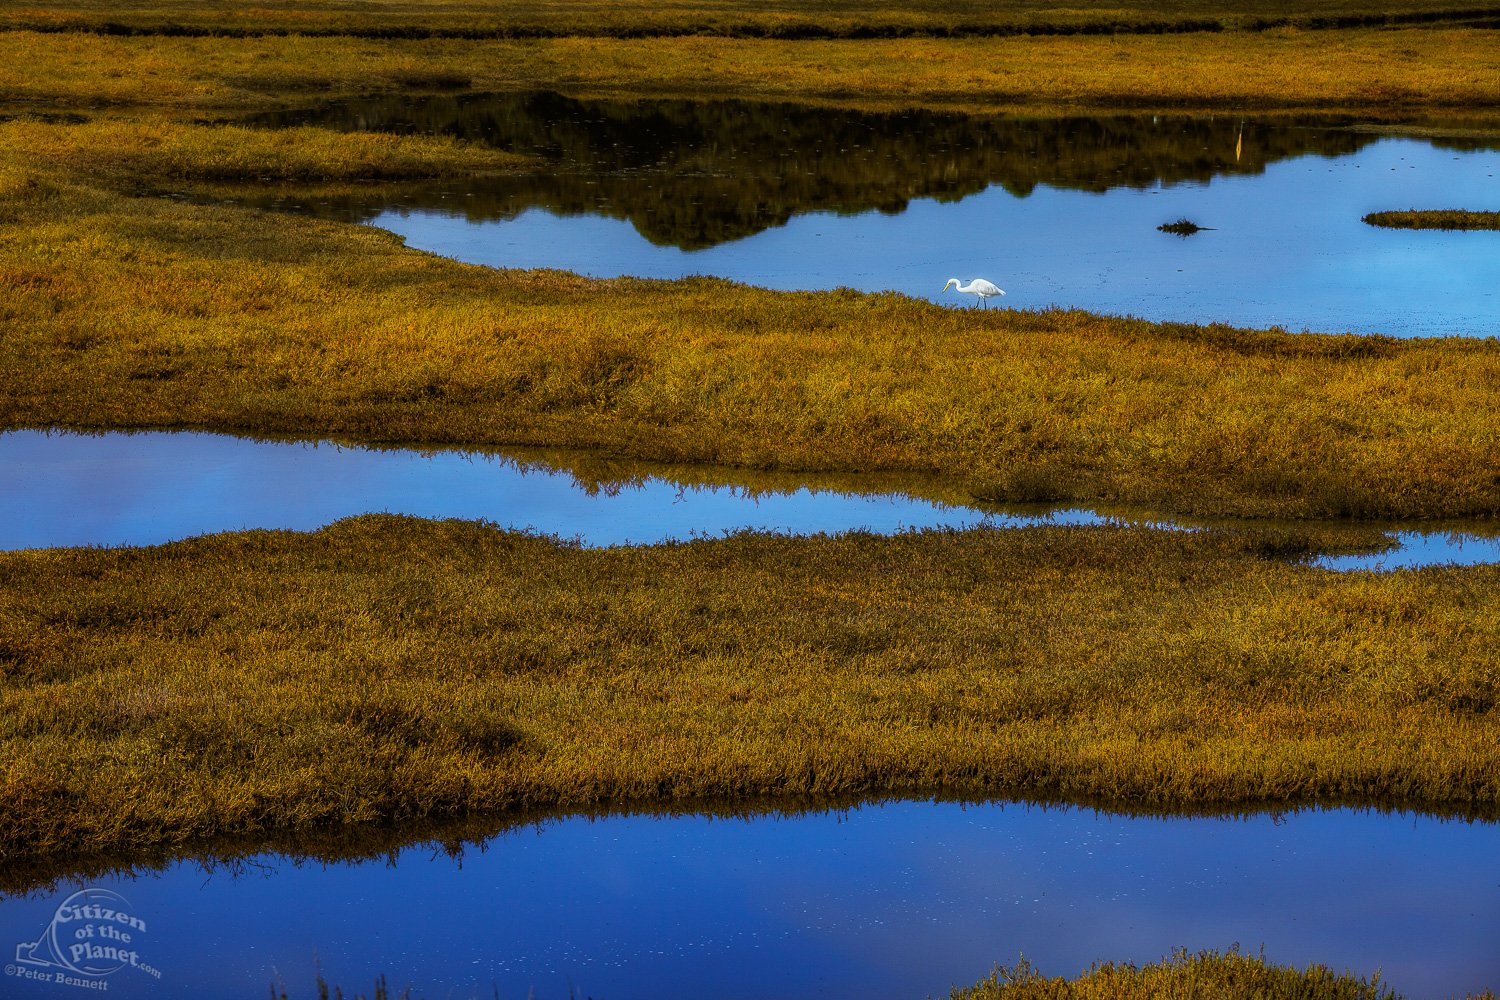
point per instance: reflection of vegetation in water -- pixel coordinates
(256, 854)
(612, 474)
(695, 174)
(263, 853)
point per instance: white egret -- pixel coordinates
(981, 289)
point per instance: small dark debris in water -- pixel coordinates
(1182, 227)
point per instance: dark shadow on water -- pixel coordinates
(697, 174)
(246, 856)
(1058, 210)
(880, 896)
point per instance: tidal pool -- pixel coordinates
(899, 900)
(63, 489)
(66, 489)
(1058, 211)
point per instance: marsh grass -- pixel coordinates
(153, 151)
(1223, 976)
(135, 313)
(1440, 219)
(737, 168)
(1286, 69)
(243, 854)
(391, 669)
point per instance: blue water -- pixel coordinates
(1415, 549)
(65, 489)
(1287, 246)
(898, 900)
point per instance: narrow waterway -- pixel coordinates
(64, 489)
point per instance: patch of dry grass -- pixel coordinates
(155, 150)
(1439, 219)
(1278, 69)
(1227, 976)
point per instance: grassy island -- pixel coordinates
(1227, 976)
(390, 668)
(1224, 976)
(1441, 219)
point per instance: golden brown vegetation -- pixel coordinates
(1438, 219)
(1227, 976)
(129, 152)
(1281, 69)
(389, 668)
(128, 312)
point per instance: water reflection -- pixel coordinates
(901, 899)
(692, 175)
(1058, 211)
(143, 489)
(65, 489)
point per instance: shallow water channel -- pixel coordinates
(65, 489)
(1057, 211)
(900, 900)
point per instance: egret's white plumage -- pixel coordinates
(981, 289)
